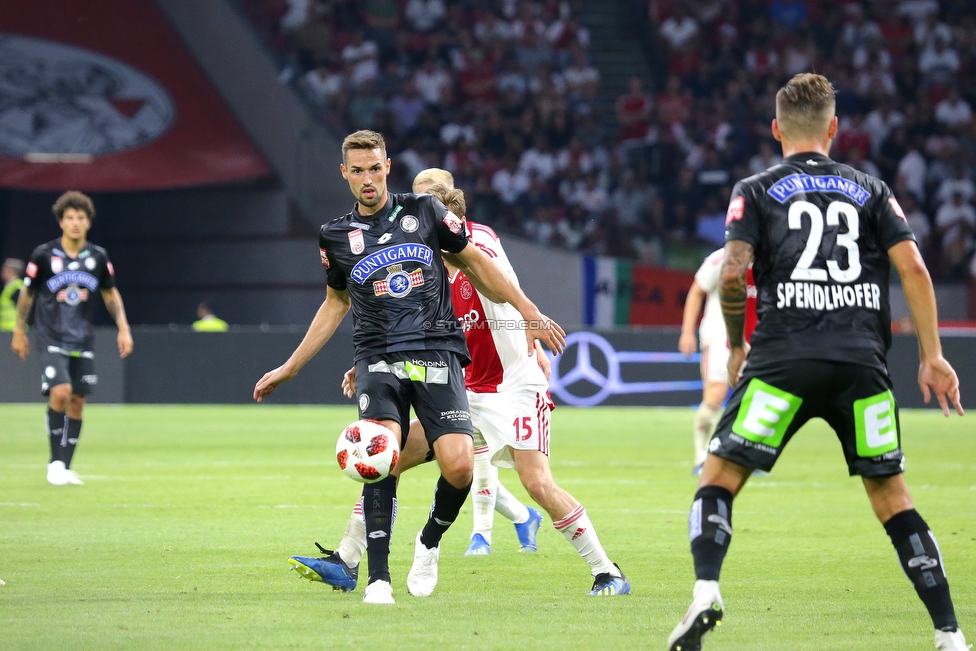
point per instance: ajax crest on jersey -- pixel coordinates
(367, 451)
(409, 224)
(466, 290)
(356, 242)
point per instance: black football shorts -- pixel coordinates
(76, 369)
(770, 404)
(432, 381)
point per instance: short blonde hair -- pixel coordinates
(363, 139)
(431, 176)
(452, 197)
(805, 106)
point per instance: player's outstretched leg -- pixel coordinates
(706, 417)
(919, 554)
(570, 519)
(339, 568)
(710, 530)
(454, 454)
(379, 512)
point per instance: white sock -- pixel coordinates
(509, 506)
(483, 492)
(706, 418)
(579, 531)
(353, 544)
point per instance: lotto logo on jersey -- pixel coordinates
(453, 222)
(324, 257)
(896, 207)
(737, 208)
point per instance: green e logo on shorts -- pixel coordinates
(764, 413)
(874, 422)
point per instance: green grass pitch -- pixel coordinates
(180, 536)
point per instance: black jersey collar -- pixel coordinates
(376, 216)
(803, 157)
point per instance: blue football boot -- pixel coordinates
(478, 547)
(528, 530)
(330, 569)
(608, 585)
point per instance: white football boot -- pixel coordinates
(422, 578)
(378, 592)
(57, 473)
(951, 641)
(704, 614)
(71, 477)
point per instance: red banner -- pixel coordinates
(102, 95)
(658, 296)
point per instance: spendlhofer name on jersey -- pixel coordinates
(811, 296)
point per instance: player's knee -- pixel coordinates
(538, 486)
(458, 471)
(59, 397)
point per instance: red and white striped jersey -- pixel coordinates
(494, 332)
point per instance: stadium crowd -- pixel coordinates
(504, 95)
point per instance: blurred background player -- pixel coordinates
(207, 321)
(64, 275)
(823, 237)
(11, 275)
(390, 311)
(509, 408)
(714, 344)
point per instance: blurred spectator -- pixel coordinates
(956, 223)
(954, 112)
(207, 321)
(361, 57)
(918, 220)
(938, 63)
(425, 15)
(788, 14)
(510, 182)
(880, 121)
(959, 183)
(852, 134)
(634, 112)
(630, 201)
(766, 158)
(432, 81)
(406, 109)
(680, 28)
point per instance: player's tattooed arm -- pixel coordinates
(113, 303)
(732, 292)
(18, 342)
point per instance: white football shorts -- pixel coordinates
(714, 363)
(511, 420)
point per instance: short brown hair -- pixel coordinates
(805, 106)
(363, 139)
(433, 175)
(453, 198)
(76, 200)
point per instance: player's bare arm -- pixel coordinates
(323, 326)
(113, 303)
(935, 374)
(452, 259)
(732, 292)
(688, 342)
(19, 342)
(539, 326)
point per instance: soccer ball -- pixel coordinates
(367, 450)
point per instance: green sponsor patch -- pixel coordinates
(765, 413)
(874, 420)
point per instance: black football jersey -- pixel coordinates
(390, 263)
(821, 233)
(64, 289)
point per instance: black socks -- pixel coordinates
(921, 559)
(448, 501)
(70, 440)
(379, 512)
(710, 528)
(55, 431)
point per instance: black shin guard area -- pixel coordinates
(70, 440)
(921, 559)
(448, 501)
(379, 513)
(55, 431)
(710, 528)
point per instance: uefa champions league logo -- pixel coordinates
(60, 103)
(590, 354)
